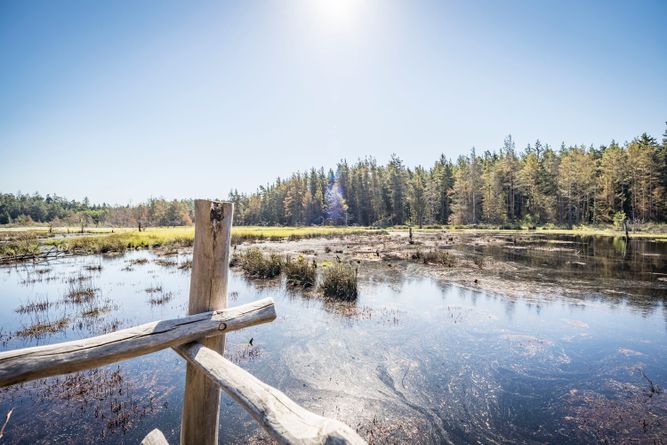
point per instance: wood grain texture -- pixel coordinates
(43, 361)
(155, 437)
(283, 419)
(208, 291)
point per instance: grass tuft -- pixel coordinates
(339, 281)
(160, 298)
(257, 265)
(79, 294)
(40, 304)
(41, 328)
(19, 245)
(434, 257)
(300, 272)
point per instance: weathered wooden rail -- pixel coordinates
(199, 338)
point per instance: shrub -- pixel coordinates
(257, 265)
(434, 257)
(510, 226)
(300, 272)
(22, 244)
(528, 222)
(619, 219)
(340, 281)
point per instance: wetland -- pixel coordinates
(452, 338)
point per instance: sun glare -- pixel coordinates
(339, 15)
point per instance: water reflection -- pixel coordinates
(413, 360)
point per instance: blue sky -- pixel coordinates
(123, 100)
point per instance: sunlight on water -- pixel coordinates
(412, 360)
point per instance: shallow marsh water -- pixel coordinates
(636, 268)
(414, 360)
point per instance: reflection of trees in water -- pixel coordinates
(593, 264)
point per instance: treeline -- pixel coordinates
(537, 185)
(52, 209)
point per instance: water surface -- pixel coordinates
(414, 360)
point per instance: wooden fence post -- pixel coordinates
(208, 291)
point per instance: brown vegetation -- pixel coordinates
(339, 281)
(300, 273)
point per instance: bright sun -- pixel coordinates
(339, 15)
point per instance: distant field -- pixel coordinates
(26, 240)
(29, 240)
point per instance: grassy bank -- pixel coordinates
(22, 243)
(183, 236)
(17, 241)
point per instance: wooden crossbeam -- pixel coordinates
(43, 361)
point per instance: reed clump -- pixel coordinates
(22, 244)
(79, 294)
(257, 265)
(40, 328)
(160, 298)
(434, 257)
(185, 265)
(94, 311)
(300, 273)
(39, 304)
(339, 281)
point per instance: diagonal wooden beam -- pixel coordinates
(26, 364)
(280, 416)
(155, 437)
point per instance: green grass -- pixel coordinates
(18, 244)
(300, 272)
(119, 242)
(124, 239)
(339, 281)
(257, 265)
(434, 256)
(255, 233)
(15, 241)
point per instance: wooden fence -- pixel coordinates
(200, 339)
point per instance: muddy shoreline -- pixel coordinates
(479, 261)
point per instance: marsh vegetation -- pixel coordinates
(257, 265)
(543, 326)
(300, 272)
(339, 280)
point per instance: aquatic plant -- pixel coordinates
(79, 294)
(94, 311)
(154, 289)
(171, 237)
(300, 272)
(22, 244)
(160, 298)
(257, 265)
(434, 257)
(339, 281)
(137, 261)
(40, 327)
(39, 304)
(165, 263)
